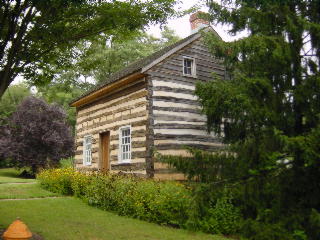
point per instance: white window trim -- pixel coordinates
(85, 163)
(193, 69)
(120, 160)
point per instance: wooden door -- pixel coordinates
(105, 151)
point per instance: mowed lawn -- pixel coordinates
(13, 191)
(10, 175)
(69, 218)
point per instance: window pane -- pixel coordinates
(187, 66)
(125, 144)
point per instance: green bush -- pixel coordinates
(160, 202)
(66, 162)
(57, 180)
(223, 217)
(79, 184)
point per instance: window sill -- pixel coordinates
(190, 75)
(123, 163)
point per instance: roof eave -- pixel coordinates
(169, 53)
(110, 88)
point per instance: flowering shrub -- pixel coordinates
(160, 202)
(57, 180)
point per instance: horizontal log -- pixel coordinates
(173, 90)
(175, 118)
(187, 137)
(126, 97)
(79, 139)
(179, 126)
(184, 146)
(176, 100)
(178, 110)
(112, 112)
(172, 84)
(128, 166)
(172, 78)
(175, 105)
(126, 90)
(121, 118)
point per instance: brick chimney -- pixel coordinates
(197, 23)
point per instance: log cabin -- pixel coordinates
(149, 105)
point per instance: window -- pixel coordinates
(189, 67)
(125, 144)
(87, 145)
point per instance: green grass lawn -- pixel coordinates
(70, 218)
(23, 191)
(10, 175)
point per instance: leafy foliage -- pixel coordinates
(34, 34)
(105, 55)
(36, 135)
(62, 93)
(160, 202)
(267, 112)
(12, 98)
(202, 166)
(270, 106)
(95, 61)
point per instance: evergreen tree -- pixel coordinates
(268, 108)
(267, 112)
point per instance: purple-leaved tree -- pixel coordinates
(37, 135)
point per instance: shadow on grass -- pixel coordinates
(14, 173)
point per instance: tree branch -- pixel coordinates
(5, 14)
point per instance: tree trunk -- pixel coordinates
(4, 84)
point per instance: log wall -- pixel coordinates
(176, 114)
(162, 110)
(126, 107)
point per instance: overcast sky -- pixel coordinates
(182, 25)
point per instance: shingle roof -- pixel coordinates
(134, 67)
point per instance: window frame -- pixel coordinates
(193, 66)
(85, 150)
(120, 153)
